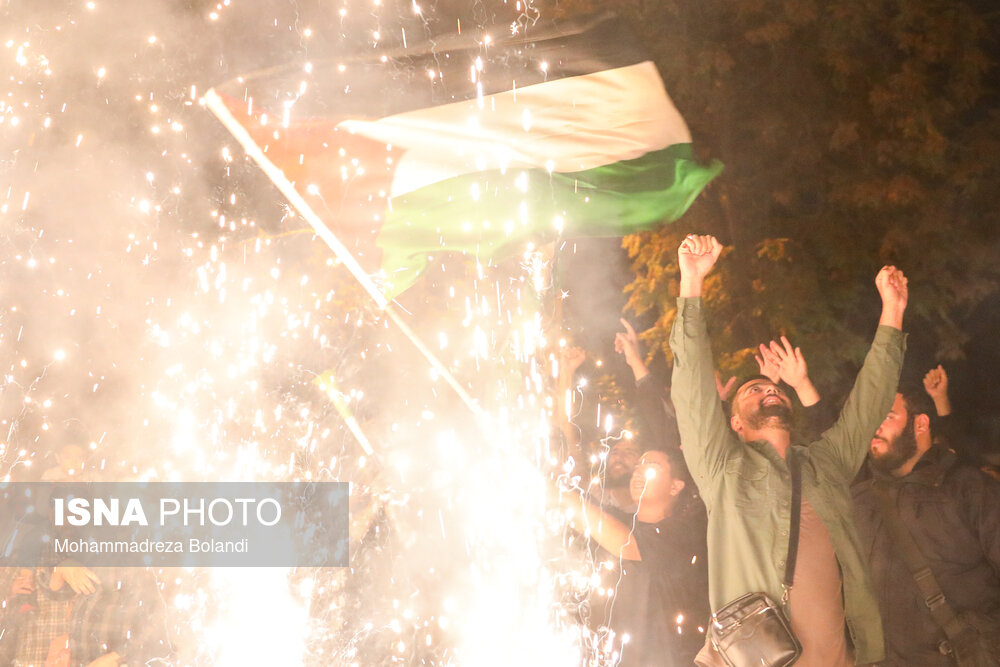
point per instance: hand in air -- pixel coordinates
(697, 255)
(627, 343)
(936, 382)
(723, 389)
(570, 359)
(768, 363)
(892, 287)
(792, 367)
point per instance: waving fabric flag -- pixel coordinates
(476, 145)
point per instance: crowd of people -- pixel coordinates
(868, 538)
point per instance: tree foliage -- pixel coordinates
(854, 134)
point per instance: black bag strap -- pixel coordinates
(793, 531)
(955, 629)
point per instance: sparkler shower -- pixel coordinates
(165, 308)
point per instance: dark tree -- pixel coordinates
(854, 134)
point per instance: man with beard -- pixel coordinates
(951, 512)
(745, 481)
(657, 424)
(622, 459)
(608, 488)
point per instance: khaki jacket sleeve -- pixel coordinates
(844, 446)
(706, 440)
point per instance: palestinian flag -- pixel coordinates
(475, 145)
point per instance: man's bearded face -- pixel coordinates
(762, 403)
(895, 442)
(622, 460)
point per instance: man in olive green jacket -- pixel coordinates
(746, 484)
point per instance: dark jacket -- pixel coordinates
(953, 512)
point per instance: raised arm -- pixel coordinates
(892, 287)
(790, 365)
(695, 257)
(655, 414)
(936, 386)
(944, 426)
(780, 361)
(627, 345)
(705, 437)
(570, 360)
(846, 443)
(588, 519)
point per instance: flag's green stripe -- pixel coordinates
(513, 207)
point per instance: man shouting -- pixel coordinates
(745, 481)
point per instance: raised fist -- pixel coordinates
(697, 255)
(891, 284)
(570, 359)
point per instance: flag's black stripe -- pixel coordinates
(370, 88)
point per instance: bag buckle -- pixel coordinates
(934, 601)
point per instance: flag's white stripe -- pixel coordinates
(566, 125)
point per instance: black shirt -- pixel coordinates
(661, 601)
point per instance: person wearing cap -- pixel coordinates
(746, 484)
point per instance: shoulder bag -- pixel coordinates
(752, 630)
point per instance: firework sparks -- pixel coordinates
(170, 315)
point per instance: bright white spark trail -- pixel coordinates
(163, 308)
